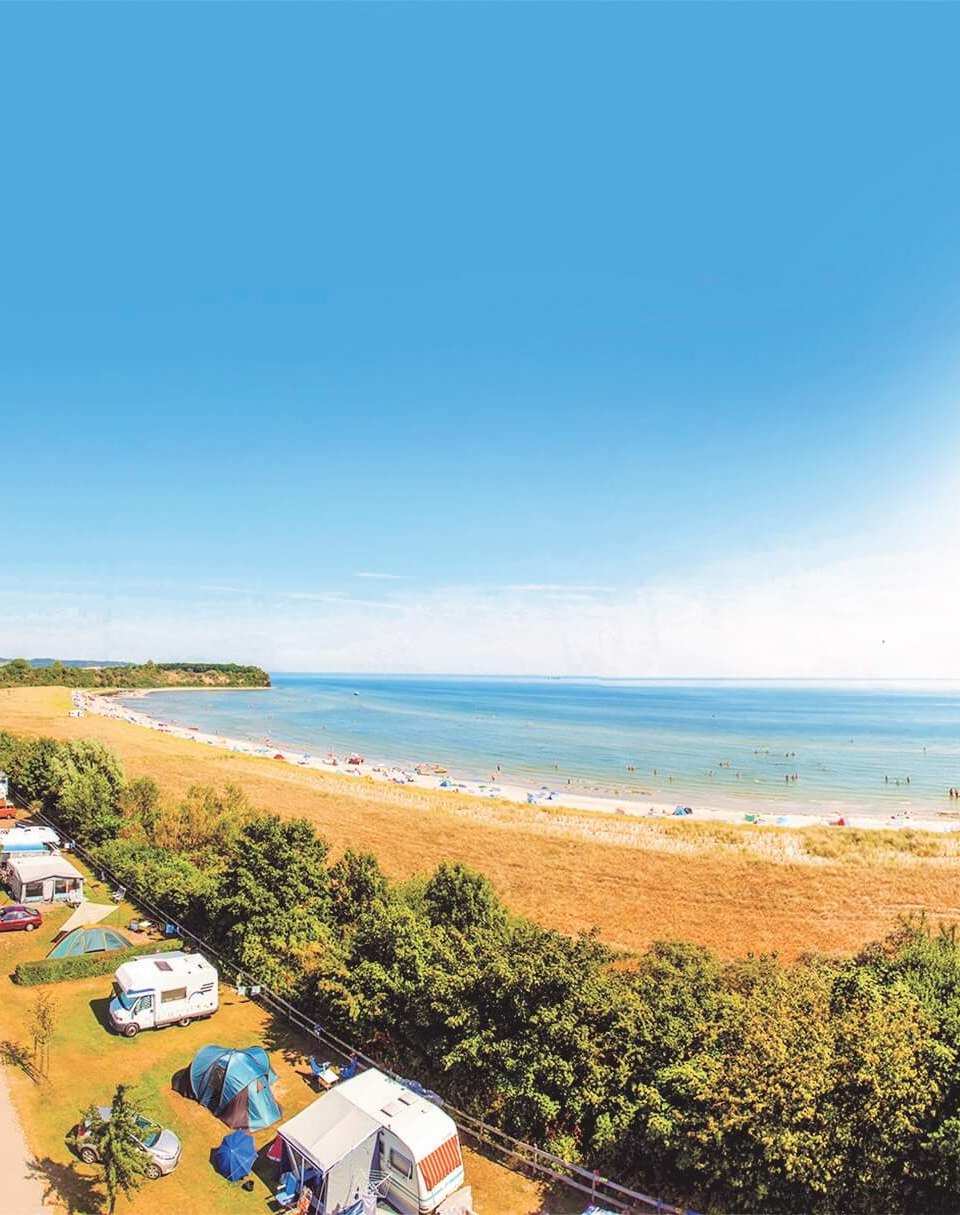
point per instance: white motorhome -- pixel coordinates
(371, 1136)
(28, 840)
(162, 989)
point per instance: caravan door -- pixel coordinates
(400, 1171)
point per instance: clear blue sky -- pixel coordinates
(595, 299)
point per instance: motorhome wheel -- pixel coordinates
(131, 1030)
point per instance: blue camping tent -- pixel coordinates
(235, 1085)
(89, 940)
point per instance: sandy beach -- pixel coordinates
(434, 777)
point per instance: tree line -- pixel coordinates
(829, 1084)
(19, 672)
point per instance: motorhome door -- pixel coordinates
(144, 1012)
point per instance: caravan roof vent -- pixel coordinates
(163, 966)
(392, 1108)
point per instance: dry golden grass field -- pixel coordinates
(734, 888)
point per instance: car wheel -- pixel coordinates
(184, 1022)
(88, 1155)
(29, 927)
(152, 1171)
(131, 1030)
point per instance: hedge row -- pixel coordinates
(57, 970)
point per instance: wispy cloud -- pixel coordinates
(219, 589)
(884, 615)
(382, 577)
(549, 588)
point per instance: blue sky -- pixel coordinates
(598, 328)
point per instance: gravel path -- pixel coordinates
(22, 1194)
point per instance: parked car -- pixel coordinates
(162, 1146)
(15, 918)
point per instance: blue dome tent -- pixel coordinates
(89, 940)
(235, 1085)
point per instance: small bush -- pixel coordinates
(58, 970)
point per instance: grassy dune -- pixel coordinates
(729, 887)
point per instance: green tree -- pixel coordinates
(43, 1023)
(140, 804)
(457, 897)
(205, 825)
(86, 786)
(17, 670)
(357, 884)
(32, 769)
(273, 901)
(117, 1140)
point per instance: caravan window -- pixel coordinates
(401, 1164)
(174, 994)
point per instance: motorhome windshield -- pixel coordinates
(126, 1001)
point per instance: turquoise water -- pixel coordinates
(676, 739)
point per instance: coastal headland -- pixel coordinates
(732, 887)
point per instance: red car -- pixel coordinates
(14, 917)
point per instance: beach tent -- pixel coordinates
(89, 940)
(235, 1085)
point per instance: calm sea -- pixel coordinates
(677, 739)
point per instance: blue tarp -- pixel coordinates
(234, 1157)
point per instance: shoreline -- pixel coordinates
(435, 778)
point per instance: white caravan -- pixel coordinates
(162, 989)
(372, 1137)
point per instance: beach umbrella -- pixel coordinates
(235, 1156)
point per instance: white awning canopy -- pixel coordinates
(39, 868)
(87, 913)
(328, 1130)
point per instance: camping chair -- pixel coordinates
(119, 894)
(325, 1074)
(286, 1196)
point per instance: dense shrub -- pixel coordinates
(58, 970)
(18, 672)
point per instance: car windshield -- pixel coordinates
(127, 1001)
(150, 1135)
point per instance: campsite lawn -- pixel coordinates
(87, 1061)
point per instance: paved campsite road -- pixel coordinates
(22, 1194)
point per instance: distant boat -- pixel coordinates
(356, 693)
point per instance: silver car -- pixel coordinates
(161, 1145)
